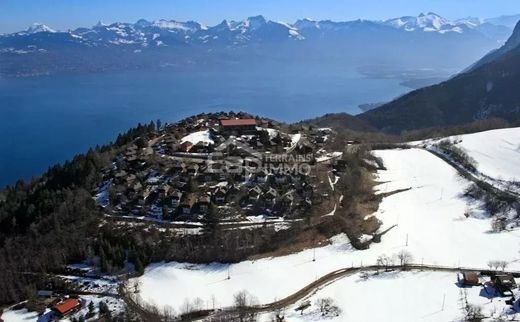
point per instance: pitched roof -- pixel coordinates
(66, 306)
(238, 122)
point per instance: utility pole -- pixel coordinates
(406, 239)
(443, 301)
(229, 273)
(314, 255)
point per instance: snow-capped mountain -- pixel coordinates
(359, 41)
(430, 22)
(37, 28)
(168, 32)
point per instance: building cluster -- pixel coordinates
(501, 284)
(229, 165)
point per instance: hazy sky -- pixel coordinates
(64, 14)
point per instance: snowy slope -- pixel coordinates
(430, 215)
(19, 316)
(399, 297)
(497, 152)
(196, 137)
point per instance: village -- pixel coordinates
(223, 166)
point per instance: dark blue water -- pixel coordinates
(47, 120)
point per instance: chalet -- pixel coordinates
(184, 178)
(120, 175)
(192, 169)
(187, 203)
(504, 284)
(280, 178)
(220, 194)
(261, 177)
(135, 188)
(304, 147)
(254, 193)
(186, 146)
(66, 307)
(45, 293)
(170, 139)
(287, 200)
(238, 126)
(203, 203)
(162, 190)
(270, 195)
(470, 279)
(175, 198)
(307, 203)
(132, 159)
(131, 150)
(320, 139)
(130, 179)
(202, 147)
(206, 176)
(178, 166)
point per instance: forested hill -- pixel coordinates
(53, 220)
(490, 90)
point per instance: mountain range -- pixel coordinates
(403, 43)
(487, 90)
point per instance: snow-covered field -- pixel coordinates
(399, 296)
(497, 152)
(19, 316)
(430, 217)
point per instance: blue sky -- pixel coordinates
(63, 14)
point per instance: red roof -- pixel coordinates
(238, 122)
(66, 306)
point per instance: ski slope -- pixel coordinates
(430, 224)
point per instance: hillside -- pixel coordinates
(339, 121)
(212, 187)
(428, 221)
(512, 43)
(496, 152)
(153, 205)
(484, 92)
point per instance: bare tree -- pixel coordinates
(498, 224)
(244, 304)
(327, 307)
(502, 265)
(187, 307)
(494, 264)
(404, 257)
(385, 261)
(168, 313)
(198, 304)
(474, 313)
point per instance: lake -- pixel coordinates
(47, 120)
